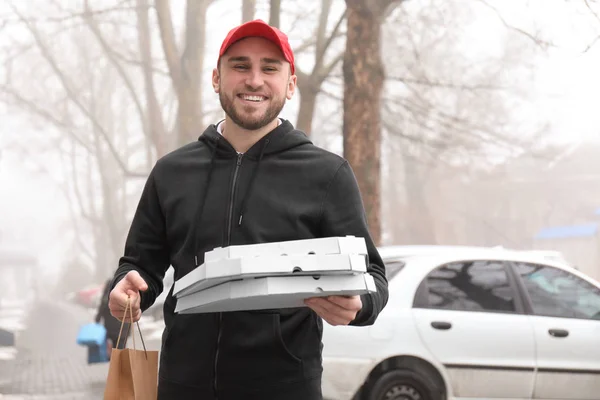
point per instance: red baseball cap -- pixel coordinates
(259, 28)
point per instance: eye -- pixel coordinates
(270, 69)
(240, 67)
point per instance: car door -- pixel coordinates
(566, 317)
(470, 316)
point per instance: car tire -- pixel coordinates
(402, 384)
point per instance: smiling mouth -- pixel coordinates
(252, 98)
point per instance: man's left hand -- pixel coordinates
(335, 310)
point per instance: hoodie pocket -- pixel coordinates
(263, 346)
(188, 349)
(279, 336)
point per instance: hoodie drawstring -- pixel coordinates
(251, 184)
(200, 209)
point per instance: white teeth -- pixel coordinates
(253, 98)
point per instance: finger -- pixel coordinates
(127, 316)
(331, 319)
(117, 315)
(328, 305)
(332, 310)
(117, 299)
(136, 280)
(353, 303)
(319, 306)
(136, 317)
(134, 296)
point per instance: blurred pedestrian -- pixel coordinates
(111, 324)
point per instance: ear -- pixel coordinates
(216, 79)
(291, 86)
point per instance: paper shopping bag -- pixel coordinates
(132, 373)
(132, 376)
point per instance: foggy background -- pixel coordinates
(489, 121)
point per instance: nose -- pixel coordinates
(254, 79)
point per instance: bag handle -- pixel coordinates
(130, 308)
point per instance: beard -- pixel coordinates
(251, 121)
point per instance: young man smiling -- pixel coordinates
(251, 178)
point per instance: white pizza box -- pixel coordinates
(272, 292)
(329, 245)
(215, 272)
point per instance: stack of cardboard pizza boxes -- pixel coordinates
(275, 275)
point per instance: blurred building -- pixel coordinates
(579, 244)
(17, 278)
(547, 201)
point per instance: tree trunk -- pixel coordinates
(153, 116)
(363, 78)
(275, 13)
(185, 71)
(308, 100)
(248, 10)
(190, 112)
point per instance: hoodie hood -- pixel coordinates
(280, 139)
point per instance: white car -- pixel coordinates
(156, 309)
(472, 323)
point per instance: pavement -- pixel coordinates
(49, 365)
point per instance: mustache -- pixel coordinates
(250, 89)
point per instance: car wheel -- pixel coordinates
(402, 384)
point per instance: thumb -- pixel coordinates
(136, 280)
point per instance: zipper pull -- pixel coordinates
(240, 220)
(239, 160)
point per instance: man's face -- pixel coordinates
(253, 81)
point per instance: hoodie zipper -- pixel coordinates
(230, 219)
(229, 223)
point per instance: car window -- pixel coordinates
(558, 293)
(392, 268)
(468, 286)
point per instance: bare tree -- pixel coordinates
(153, 119)
(248, 10)
(185, 67)
(445, 118)
(105, 102)
(363, 78)
(275, 13)
(309, 84)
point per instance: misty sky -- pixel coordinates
(34, 214)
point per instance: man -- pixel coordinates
(249, 179)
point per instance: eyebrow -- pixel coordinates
(246, 59)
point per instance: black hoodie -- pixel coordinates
(205, 195)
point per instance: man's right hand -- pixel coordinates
(130, 286)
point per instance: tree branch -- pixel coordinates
(322, 31)
(326, 70)
(445, 85)
(46, 115)
(544, 45)
(72, 95)
(321, 70)
(153, 117)
(88, 17)
(167, 36)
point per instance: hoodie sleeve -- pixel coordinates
(146, 249)
(344, 214)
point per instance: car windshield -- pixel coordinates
(392, 268)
